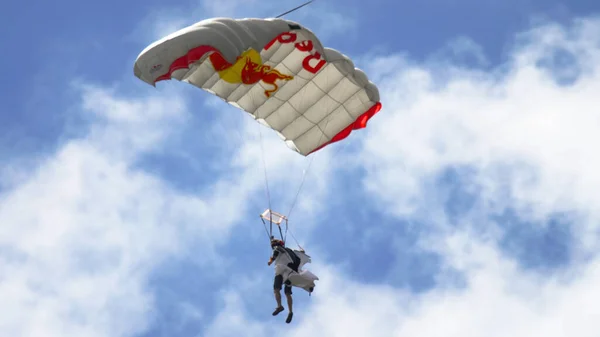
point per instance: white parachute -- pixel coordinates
(274, 69)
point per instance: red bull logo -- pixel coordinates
(254, 72)
(248, 69)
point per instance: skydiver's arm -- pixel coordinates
(274, 256)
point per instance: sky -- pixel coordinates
(467, 207)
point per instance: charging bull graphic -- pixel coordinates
(248, 69)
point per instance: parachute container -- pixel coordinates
(275, 70)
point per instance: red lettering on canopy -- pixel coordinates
(286, 37)
(313, 69)
(306, 46)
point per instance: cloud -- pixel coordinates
(517, 127)
(81, 232)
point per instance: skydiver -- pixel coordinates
(291, 260)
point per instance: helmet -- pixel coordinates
(277, 242)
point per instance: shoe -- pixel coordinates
(289, 318)
(277, 311)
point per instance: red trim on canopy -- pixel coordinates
(359, 123)
(193, 55)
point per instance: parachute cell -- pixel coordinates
(275, 70)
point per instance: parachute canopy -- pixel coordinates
(274, 69)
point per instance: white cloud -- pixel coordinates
(80, 234)
(517, 127)
(232, 320)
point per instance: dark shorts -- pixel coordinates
(278, 283)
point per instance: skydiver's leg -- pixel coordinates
(277, 293)
(290, 302)
(277, 284)
(288, 296)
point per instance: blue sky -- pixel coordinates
(468, 206)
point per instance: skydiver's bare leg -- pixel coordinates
(288, 296)
(278, 298)
(290, 301)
